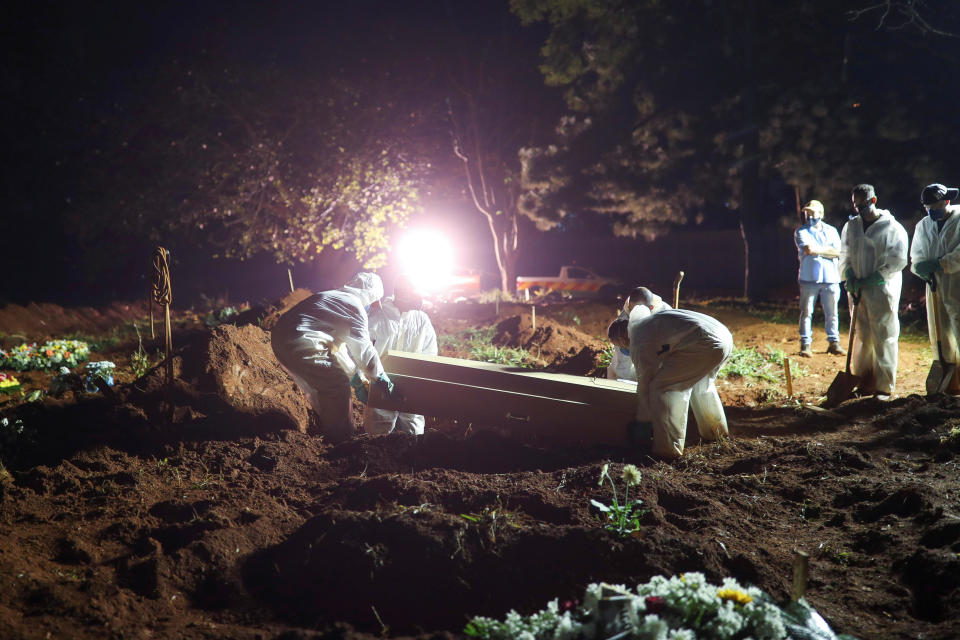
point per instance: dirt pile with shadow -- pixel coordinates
(211, 511)
(563, 348)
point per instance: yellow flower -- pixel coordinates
(8, 381)
(735, 596)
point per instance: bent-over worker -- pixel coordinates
(621, 366)
(310, 339)
(399, 324)
(678, 354)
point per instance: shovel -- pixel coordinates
(843, 385)
(941, 371)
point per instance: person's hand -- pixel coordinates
(359, 388)
(387, 388)
(849, 275)
(853, 285)
(872, 280)
(926, 268)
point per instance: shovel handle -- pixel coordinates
(935, 300)
(853, 327)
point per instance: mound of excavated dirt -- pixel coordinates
(221, 519)
(39, 321)
(566, 349)
(227, 374)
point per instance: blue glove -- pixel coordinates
(359, 388)
(872, 280)
(926, 268)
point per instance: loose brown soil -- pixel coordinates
(213, 510)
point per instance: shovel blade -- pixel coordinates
(939, 377)
(841, 388)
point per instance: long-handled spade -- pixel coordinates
(843, 385)
(941, 371)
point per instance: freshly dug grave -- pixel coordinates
(218, 517)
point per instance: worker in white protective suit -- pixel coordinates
(935, 254)
(398, 323)
(324, 344)
(678, 354)
(621, 366)
(873, 253)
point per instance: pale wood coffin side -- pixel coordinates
(601, 392)
(488, 395)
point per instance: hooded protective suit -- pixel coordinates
(621, 365)
(309, 340)
(943, 245)
(882, 250)
(404, 331)
(678, 354)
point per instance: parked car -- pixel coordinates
(572, 279)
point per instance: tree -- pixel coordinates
(253, 161)
(701, 109)
(495, 108)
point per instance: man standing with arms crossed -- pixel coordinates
(873, 254)
(818, 249)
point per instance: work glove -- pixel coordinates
(359, 388)
(849, 275)
(926, 268)
(387, 388)
(872, 280)
(853, 285)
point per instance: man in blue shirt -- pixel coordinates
(818, 249)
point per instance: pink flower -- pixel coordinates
(654, 604)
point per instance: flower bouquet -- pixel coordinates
(684, 607)
(50, 355)
(8, 383)
(103, 369)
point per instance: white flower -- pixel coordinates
(681, 634)
(603, 472)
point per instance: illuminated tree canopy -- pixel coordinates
(251, 162)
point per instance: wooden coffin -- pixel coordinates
(560, 406)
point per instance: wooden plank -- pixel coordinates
(558, 406)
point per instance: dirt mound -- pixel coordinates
(228, 373)
(40, 321)
(228, 522)
(566, 349)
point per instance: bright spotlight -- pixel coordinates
(426, 258)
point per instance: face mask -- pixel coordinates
(814, 221)
(937, 214)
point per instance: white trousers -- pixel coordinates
(875, 346)
(686, 380)
(306, 359)
(383, 421)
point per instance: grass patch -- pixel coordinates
(758, 364)
(477, 344)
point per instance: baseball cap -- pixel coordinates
(933, 193)
(814, 206)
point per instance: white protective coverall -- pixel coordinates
(678, 355)
(304, 339)
(931, 243)
(882, 249)
(621, 365)
(404, 331)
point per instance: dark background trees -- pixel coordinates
(307, 135)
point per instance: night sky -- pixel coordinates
(82, 79)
